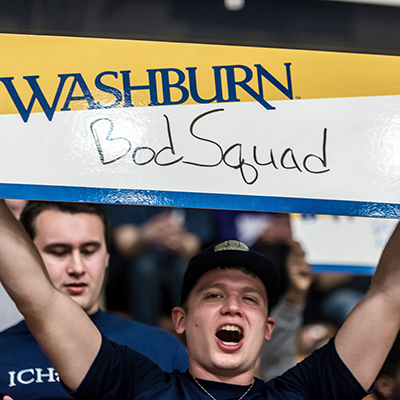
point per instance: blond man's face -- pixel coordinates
(226, 321)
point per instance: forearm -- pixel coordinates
(366, 337)
(387, 275)
(295, 298)
(21, 269)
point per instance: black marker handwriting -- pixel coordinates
(116, 148)
(112, 149)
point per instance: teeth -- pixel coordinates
(230, 328)
(229, 343)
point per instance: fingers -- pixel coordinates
(299, 270)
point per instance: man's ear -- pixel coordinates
(384, 385)
(269, 329)
(178, 317)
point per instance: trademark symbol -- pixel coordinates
(297, 97)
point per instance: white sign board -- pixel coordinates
(199, 126)
(342, 244)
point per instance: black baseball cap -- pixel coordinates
(232, 253)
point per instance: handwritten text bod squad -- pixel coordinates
(144, 155)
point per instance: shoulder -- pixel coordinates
(160, 346)
(18, 329)
(115, 327)
(322, 375)
(119, 370)
(19, 347)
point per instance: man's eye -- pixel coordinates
(88, 252)
(59, 253)
(251, 299)
(214, 295)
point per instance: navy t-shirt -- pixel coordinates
(121, 373)
(26, 372)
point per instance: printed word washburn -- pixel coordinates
(182, 83)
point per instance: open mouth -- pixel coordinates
(230, 335)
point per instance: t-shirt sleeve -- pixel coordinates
(322, 376)
(118, 372)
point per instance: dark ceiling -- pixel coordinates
(321, 25)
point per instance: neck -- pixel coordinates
(225, 376)
(92, 310)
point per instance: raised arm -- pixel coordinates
(367, 335)
(61, 327)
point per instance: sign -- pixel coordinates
(342, 244)
(196, 125)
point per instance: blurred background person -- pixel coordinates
(150, 250)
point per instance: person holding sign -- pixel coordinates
(227, 294)
(72, 241)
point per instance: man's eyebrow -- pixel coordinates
(91, 243)
(55, 245)
(211, 286)
(249, 289)
(246, 289)
(52, 246)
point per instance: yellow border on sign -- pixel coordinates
(314, 74)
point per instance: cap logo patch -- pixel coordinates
(231, 245)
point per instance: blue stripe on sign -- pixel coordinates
(343, 269)
(200, 200)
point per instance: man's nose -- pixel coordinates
(76, 265)
(232, 306)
